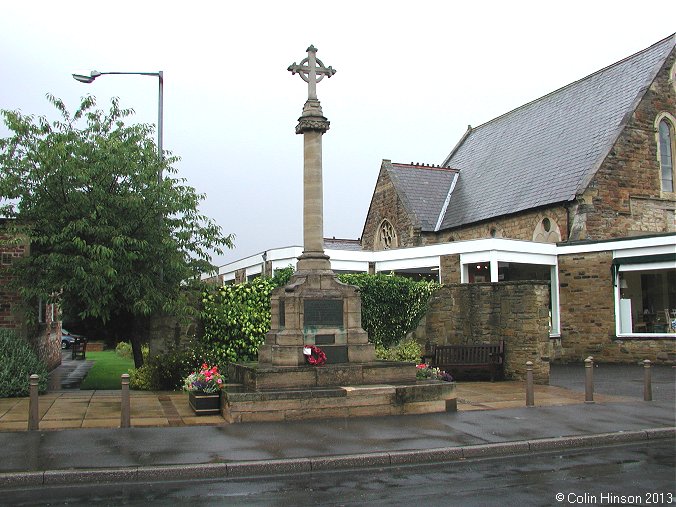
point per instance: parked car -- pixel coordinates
(67, 338)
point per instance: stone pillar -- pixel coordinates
(313, 125)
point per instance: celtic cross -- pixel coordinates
(312, 71)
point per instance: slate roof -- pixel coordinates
(546, 151)
(423, 189)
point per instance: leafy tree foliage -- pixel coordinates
(391, 306)
(108, 240)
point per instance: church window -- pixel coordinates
(387, 236)
(666, 146)
(547, 231)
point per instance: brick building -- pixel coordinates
(44, 332)
(574, 191)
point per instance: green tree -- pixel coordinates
(109, 242)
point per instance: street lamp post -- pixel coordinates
(89, 78)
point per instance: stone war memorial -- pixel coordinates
(315, 310)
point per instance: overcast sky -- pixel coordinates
(410, 77)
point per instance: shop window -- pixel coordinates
(479, 272)
(647, 300)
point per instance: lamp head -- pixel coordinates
(86, 78)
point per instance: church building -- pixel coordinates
(575, 189)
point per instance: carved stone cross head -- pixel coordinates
(312, 71)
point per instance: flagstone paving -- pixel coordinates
(101, 409)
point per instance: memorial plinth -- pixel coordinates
(315, 309)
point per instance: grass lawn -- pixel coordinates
(105, 374)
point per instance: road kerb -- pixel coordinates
(325, 463)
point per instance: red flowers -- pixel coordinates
(314, 355)
(207, 380)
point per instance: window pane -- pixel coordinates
(647, 301)
(666, 159)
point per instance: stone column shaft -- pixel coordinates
(313, 213)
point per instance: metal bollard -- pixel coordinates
(33, 409)
(589, 380)
(530, 396)
(647, 381)
(125, 412)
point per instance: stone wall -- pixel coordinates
(45, 339)
(516, 312)
(588, 316)
(165, 332)
(9, 299)
(449, 269)
(516, 226)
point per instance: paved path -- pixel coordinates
(65, 407)
(70, 409)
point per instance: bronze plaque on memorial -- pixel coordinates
(323, 312)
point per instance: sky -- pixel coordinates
(411, 76)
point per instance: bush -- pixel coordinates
(18, 363)
(167, 370)
(391, 306)
(407, 350)
(123, 349)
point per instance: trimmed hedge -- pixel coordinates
(18, 363)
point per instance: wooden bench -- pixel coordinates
(79, 348)
(456, 359)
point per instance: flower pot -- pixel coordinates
(205, 404)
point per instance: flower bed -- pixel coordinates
(426, 372)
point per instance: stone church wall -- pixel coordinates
(516, 312)
(517, 226)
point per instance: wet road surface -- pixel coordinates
(639, 474)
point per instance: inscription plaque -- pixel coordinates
(335, 354)
(323, 312)
(282, 313)
(325, 339)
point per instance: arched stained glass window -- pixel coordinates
(666, 135)
(387, 236)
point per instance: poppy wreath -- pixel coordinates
(316, 356)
